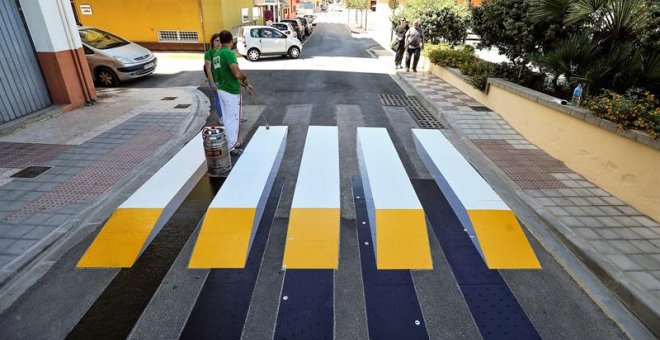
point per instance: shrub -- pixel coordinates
(444, 55)
(479, 72)
(636, 109)
(521, 75)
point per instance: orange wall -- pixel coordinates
(140, 20)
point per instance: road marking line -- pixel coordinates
(313, 235)
(136, 222)
(232, 219)
(490, 223)
(398, 224)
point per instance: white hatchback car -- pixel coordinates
(255, 41)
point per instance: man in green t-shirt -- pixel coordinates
(208, 71)
(229, 79)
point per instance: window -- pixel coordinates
(177, 36)
(254, 33)
(245, 15)
(256, 13)
(100, 39)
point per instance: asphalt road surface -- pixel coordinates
(336, 82)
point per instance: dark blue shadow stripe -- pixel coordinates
(306, 305)
(495, 310)
(223, 303)
(393, 310)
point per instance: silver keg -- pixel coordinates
(216, 150)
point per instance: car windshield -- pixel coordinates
(100, 39)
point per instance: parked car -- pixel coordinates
(113, 59)
(311, 18)
(255, 41)
(307, 25)
(297, 24)
(286, 28)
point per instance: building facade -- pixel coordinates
(168, 24)
(43, 60)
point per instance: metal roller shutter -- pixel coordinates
(22, 86)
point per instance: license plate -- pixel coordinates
(149, 65)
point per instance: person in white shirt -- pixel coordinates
(414, 45)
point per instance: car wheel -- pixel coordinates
(294, 52)
(253, 54)
(106, 77)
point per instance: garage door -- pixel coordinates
(22, 86)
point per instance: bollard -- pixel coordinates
(216, 150)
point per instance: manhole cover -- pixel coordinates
(168, 98)
(182, 106)
(31, 172)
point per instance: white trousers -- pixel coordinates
(231, 116)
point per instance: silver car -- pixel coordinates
(113, 59)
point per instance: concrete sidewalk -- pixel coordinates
(618, 243)
(95, 157)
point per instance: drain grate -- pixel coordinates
(423, 116)
(168, 98)
(480, 108)
(182, 106)
(395, 100)
(31, 172)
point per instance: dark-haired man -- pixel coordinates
(400, 36)
(229, 81)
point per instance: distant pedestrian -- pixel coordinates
(208, 58)
(268, 17)
(229, 83)
(400, 37)
(414, 45)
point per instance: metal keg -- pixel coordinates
(217, 153)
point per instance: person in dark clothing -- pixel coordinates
(414, 45)
(400, 36)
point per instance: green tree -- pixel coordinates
(508, 26)
(415, 9)
(444, 25)
(615, 45)
(356, 4)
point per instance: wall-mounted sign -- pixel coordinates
(86, 9)
(265, 2)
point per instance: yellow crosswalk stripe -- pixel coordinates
(496, 233)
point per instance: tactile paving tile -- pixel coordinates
(21, 155)
(529, 168)
(100, 175)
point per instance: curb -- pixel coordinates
(27, 269)
(628, 302)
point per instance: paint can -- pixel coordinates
(216, 151)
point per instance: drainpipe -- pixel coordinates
(201, 21)
(76, 57)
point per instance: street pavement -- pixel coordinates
(100, 154)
